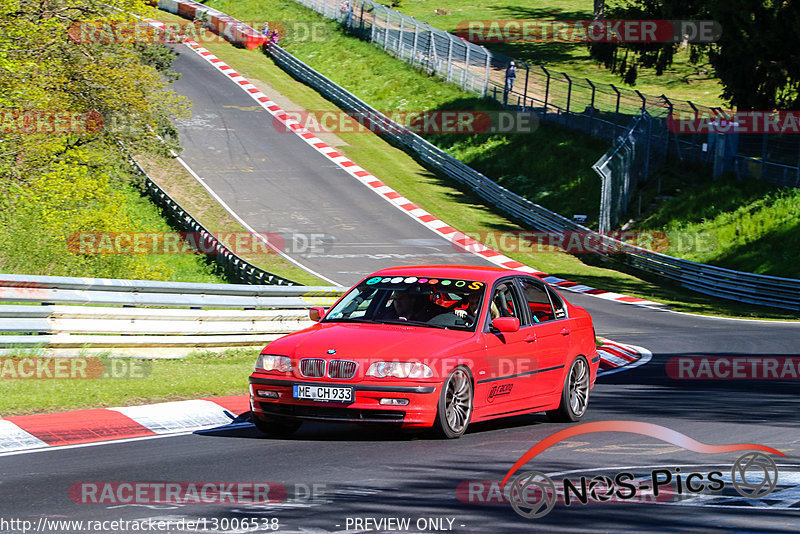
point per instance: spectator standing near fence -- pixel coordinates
(274, 38)
(511, 75)
(265, 30)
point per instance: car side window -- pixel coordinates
(505, 303)
(538, 301)
(558, 304)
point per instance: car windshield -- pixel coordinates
(420, 301)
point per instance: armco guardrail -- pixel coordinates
(146, 318)
(735, 285)
(235, 267)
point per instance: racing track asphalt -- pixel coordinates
(278, 184)
(369, 472)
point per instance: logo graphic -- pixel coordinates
(533, 494)
(752, 487)
(498, 390)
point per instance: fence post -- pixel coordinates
(466, 69)
(401, 41)
(644, 100)
(591, 106)
(374, 23)
(386, 29)
(416, 39)
(525, 90)
(569, 89)
(618, 96)
(547, 87)
(764, 147)
(449, 56)
(488, 68)
(671, 110)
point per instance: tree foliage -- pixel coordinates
(756, 57)
(58, 181)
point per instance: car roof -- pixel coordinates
(471, 272)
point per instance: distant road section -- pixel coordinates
(329, 221)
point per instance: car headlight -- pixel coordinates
(399, 370)
(270, 362)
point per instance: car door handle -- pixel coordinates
(530, 338)
(564, 331)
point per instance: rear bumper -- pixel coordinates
(419, 412)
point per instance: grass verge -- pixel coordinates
(193, 197)
(682, 81)
(457, 206)
(197, 375)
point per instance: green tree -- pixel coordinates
(59, 178)
(755, 57)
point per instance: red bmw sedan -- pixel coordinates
(430, 346)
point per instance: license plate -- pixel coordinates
(323, 393)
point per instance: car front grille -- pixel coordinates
(312, 367)
(342, 369)
(331, 413)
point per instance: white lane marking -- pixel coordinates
(250, 228)
(232, 426)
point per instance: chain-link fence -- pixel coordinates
(600, 110)
(624, 168)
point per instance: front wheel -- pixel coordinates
(575, 395)
(275, 427)
(455, 404)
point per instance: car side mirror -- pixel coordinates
(506, 324)
(315, 313)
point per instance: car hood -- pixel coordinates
(372, 342)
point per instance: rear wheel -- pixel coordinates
(275, 427)
(455, 404)
(575, 395)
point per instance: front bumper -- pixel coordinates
(366, 408)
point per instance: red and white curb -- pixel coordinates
(81, 427)
(616, 357)
(459, 240)
(26, 432)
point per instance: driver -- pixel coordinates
(471, 300)
(412, 305)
